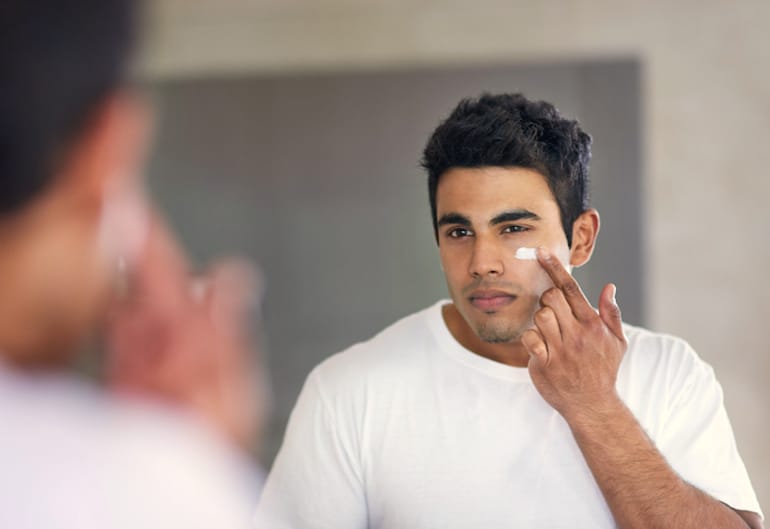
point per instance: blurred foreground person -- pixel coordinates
(81, 253)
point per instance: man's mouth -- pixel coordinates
(490, 300)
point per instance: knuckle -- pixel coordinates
(595, 325)
(530, 337)
(614, 312)
(544, 315)
(550, 296)
(571, 288)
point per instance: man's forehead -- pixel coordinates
(483, 194)
(512, 187)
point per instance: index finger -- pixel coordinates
(158, 275)
(564, 281)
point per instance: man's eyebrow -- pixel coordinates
(514, 215)
(454, 218)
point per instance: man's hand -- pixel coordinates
(575, 356)
(183, 340)
(575, 352)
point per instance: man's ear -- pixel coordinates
(584, 233)
(109, 152)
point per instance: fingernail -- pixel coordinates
(543, 253)
(614, 291)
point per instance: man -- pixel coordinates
(79, 242)
(515, 404)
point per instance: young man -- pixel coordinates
(515, 404)
(76, 233)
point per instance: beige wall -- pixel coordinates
(707, 96)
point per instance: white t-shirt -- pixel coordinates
(411, 430)
(71, 457)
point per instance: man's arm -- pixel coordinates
(640, 487)
(575, 356)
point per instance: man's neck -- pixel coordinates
(30, 337)
(511, 353)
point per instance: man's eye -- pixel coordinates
(514, 228)
(457, 233)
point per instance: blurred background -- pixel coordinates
(290, 132)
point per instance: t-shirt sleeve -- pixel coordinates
(697, 438)
(316, 481)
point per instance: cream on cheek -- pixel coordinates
(538, 278)
(525, 253)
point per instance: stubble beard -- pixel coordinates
(498, 332)
(502, 328)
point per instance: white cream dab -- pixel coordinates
(526, 254)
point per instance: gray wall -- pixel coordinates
(316, 177)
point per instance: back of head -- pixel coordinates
(58, 60)
(508, 130)
(62, 66)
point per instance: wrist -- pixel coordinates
(598, 414)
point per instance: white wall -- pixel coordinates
(707, 93)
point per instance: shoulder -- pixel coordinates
(648, 346)
(398, 344)
(662, 358)
(180, 459)
(397, 351)
(136, 451)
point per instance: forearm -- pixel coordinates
(641, 489)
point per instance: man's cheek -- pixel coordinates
(533, 278)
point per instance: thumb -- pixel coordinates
(609, 310)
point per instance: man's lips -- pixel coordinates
(487, 300)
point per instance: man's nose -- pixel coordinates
(487, 258)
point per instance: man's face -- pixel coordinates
(484, 216)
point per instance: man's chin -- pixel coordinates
(496, 328)
(495, 334)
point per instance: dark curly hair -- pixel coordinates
(509, 130)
